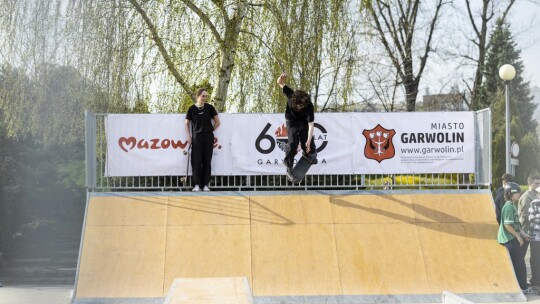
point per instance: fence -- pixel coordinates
(96, 147)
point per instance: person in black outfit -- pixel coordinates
(199, 119)
(499, 195)
(299, 115)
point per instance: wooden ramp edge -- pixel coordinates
(296, 247)
(209, 291)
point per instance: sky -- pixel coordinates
(525, 22)
(444, 72)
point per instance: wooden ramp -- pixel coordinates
(209, 291)
(296, 247)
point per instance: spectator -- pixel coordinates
(523, 207)
(200, 132)
(499, 195)
(525, 201)
(512, 237)
(529, 217)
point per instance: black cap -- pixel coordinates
(512, 187)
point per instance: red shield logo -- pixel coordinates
(379, 145)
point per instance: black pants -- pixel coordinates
(297, 132)
(535, 263)
(517, 255)
(202, 148)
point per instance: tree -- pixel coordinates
(480, 21)
(230, 18)
(239, 46)
(316, 43)
(49, 107)
(396, 24)
(42, 150)
(502, 50)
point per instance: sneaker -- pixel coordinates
(196, 188)
(529, 290)
(206, 188)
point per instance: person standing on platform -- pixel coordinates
(201, 136)
(511, 236)
(300, 117)
(499, 195)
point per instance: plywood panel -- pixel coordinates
(453, 208)
(289, 209)
(210, 291)
(380, 259)
(465, 258)
(295, 245)
(202, 251)
(127, 210)
(294, 260)
(372, 208)
(208, 209)
(122, 261)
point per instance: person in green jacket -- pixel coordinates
(511, 236)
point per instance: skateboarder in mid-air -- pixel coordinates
(299, 115)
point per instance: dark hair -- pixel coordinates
(531, 178)
(507, 177)
(200, 91)
(300, 100)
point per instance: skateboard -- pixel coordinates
(300, 169)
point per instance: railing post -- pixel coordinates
(90, 149)
(482, 142)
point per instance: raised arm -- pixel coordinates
(282, 79)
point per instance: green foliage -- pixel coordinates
(42, 150)
(185, 100)
(49, 107)
(31, 188)
(418, 181)
(71, 174)
(141, 107)
(503, 50)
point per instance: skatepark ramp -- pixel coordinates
(210, 290)
(296, 246)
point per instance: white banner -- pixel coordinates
(157, 145)
(417, 142)
(251, 144)
(259, 141)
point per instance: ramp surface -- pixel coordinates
(296, 247)
(209, 291)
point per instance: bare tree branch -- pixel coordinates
(423, 59)
(157, 40)
(401, 43)
(206, 20)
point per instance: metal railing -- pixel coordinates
(96, 147)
